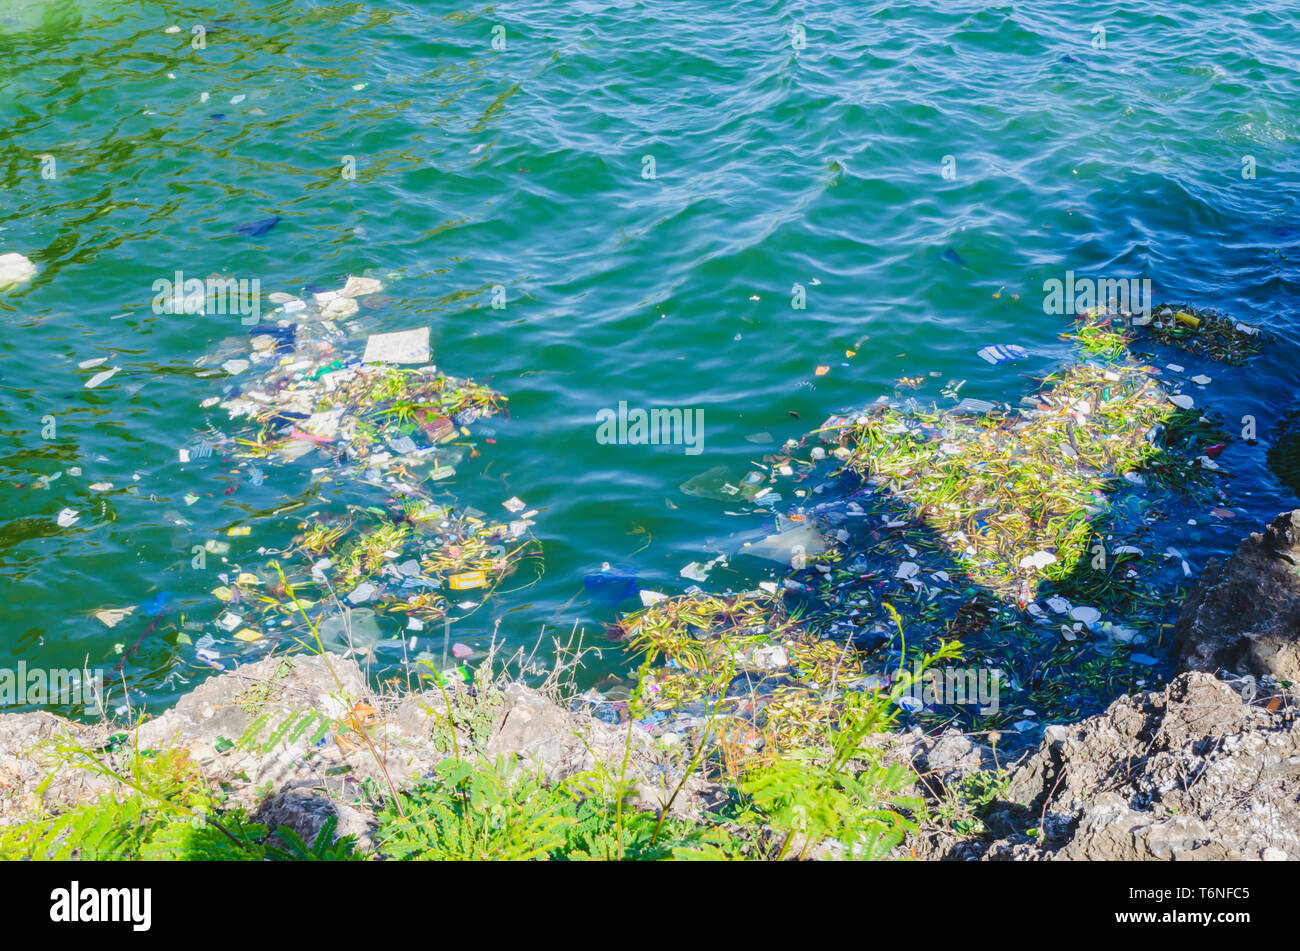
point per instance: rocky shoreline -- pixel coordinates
(1206, 767)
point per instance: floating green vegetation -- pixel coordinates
(1100, 340)
(408, 398)
(704, 641)
(774, 679)
(407, 567)
(1205, 332)
(374, 415)
(1013, 495)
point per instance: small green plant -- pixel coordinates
(161, 808)
(478, 811)
(967, 803)
(843, 792)
(475, 812)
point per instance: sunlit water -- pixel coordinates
(648, 182)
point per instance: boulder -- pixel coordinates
(1243, 616)
(1192, 771)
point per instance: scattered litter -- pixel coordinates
(405, 346)
(972, 405)
(255, 229)
(112, 617)
(695, 571)
(101, 377)
(360, 287)
(15, 269)
(1003, 353)
(1205, 333)
(466, 580)
(609, 585)
(1038, 560)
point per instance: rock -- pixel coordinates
(537, 730)
(15, 269)
(1244, 616)
(23, 768)
(305, 811)
(224, 707)
(948, 756)
(560, 743)
(1188, 772)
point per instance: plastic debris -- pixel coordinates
(14, 270)
(1002, 354)
(609, 585)
(101, 377)
(466, 580)
(971, 405)
(255, 229)
(112, 617)
(1205, 332)
(406, 346)
(1038, 560)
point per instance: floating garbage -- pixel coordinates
(101, 377)
(609, 585)
(747, 652)
(1008, 536)
(255, 229)
(1205, 332)
(14, 270)
(112, 617)
(1025, 479)
(302, 390)
(396, 566)
(312, 396)
(1002, 354)
(407, 346)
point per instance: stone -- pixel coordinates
(1192, 771)
(1244, 616)
(305, 810)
